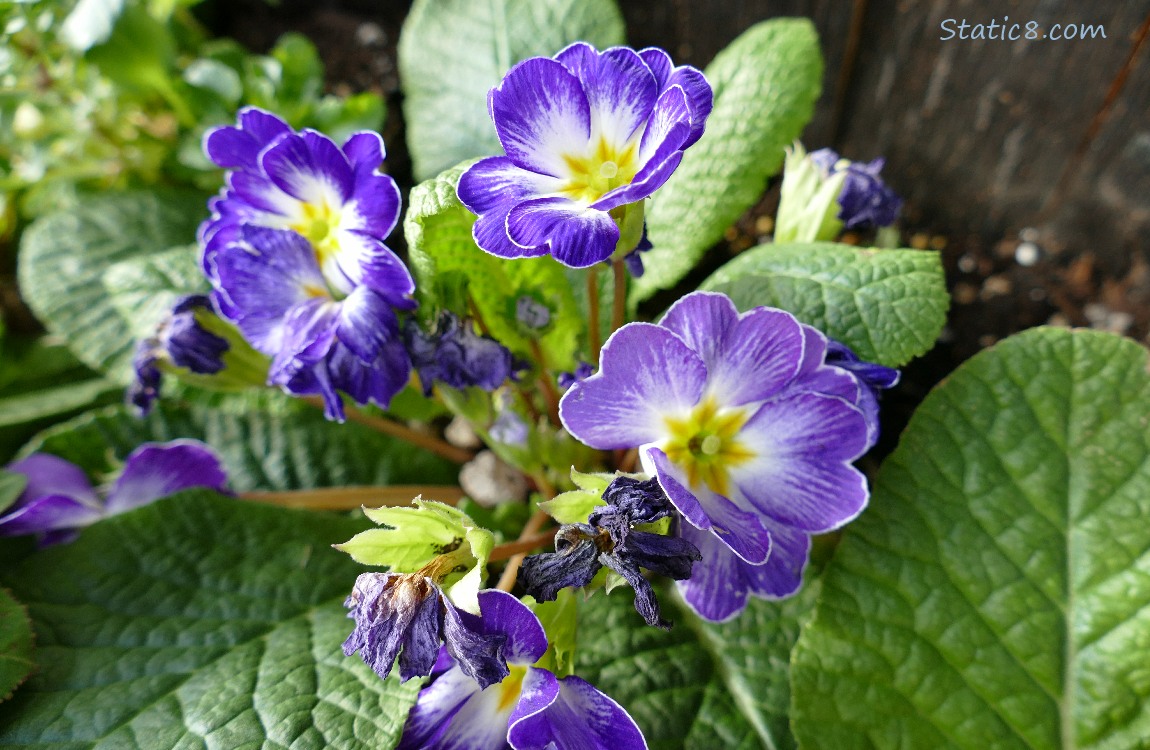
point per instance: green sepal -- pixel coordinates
(808, 201)
(12, 485)
(244, 367)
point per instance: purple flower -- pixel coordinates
(530, 709)
(58, 499)
(864, 199)
(609, 538)
(409, 616)
(567, 379)
(294, 249)
(181, 340)
(874, 378)
(455, 355)
(747, 429)
(586, 134)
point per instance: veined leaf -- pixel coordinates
(15, 645)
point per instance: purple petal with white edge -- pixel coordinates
(743, 532)
(660, 64)
(315, 380)
(239, 147)
(621, 91)
(578, 237)
(703, 320)
(650, 178)
(479, 654)
(802, 476)
(490, 233)
(365, 322)
(375, 382)
(646, 372)
(157, 470)
(504, 613)
(760, 356)
(310, 168)
(52, 475)
(541, 114)
(254, 193)
(263, 126)
(430, 718)
(700, 99)
(569, 714)
(665, 131)
(495, 182)
(366, 152)
(362, 259)
(45, 513)
(309, 330)
(374, 208)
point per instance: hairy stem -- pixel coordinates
(521, 547)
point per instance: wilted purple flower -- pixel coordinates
(58, 499)
(738, 416)
(531, 313)
(586, 135)
(455, 355)
(609, 538)
(294, 249)
(180, 340)
(864, 199)
(530, 709)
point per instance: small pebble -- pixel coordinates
(1027, 254)
(967, 263)
(369, 34)
(996, 286)
(460, 434)
(488, 481)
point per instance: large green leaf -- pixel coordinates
(887, 305)
(199, 621)
(64, 256)
(452, 52)
(701, 685)
(996, 594)
(443, 254)
(292, 447)
(143, 289)
(766, 83)
(15, 645)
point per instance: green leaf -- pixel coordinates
(15, 645)
(452, 52)
(887, 305)
(997, 591)
(198, 621)
(292, 447)
(766, 83)
(12, 486)
(59, 401)
(64, 256)
(438, 231)
(716, 685)
(143, 289)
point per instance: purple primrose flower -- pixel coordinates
(748, 430)
(182, 341)
(411, 612)
(609, 538)
(864, 200)
(531, 709)
(294, 249)
(586, 134)
(58, 499)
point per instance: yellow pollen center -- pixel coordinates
(601, 170)
(318, 223)
(511, 687)
(705, 444)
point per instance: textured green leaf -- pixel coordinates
(452, 52)
(766, 83)
(441, 248)
(996, 594)
(15, 645)
(293, 448)
(59, 401)
(64, 256)
(143, 289)
(700, 686)
(887, 305)
(198, 621)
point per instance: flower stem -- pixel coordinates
(546, 384)
(619, 303)
(593, 312)
(350, 498)
(521, 546)
(403, 432)
(531, 529)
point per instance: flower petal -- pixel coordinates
(374, 207)
(52, 475)
(366, 152)
(578, 236)
(45, 513)
(310, 168)
(620, 89)
(363, 259)
(504, 613)
(490, 233)
(376, 382)
(572, 714)
(703, 320)
(495, 182)
(802, 476)
(541, 114)
(646, 372)
(365, 323)
(158, 470)
(760, 356)
(430, 724)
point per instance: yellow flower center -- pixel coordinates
(318, 224)
(511, 687)
(602, 170)
(705, 444)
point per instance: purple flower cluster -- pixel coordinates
(58, 500)
(182, 341)
(864, 201)
(751, 429)
(586, 135)
(455, 355)
(294, 250)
